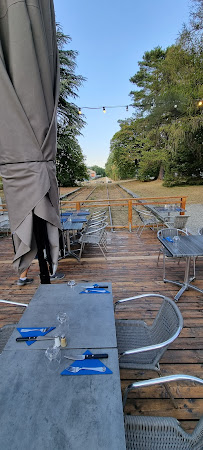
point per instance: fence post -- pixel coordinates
(78, 206)
(182, 205)
(130, 215)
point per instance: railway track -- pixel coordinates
(117, 215)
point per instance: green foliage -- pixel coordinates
(70, 160)
(99, 170)
(166, 133)
(70, 166)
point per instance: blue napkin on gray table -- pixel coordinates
(87, 363)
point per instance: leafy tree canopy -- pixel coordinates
(99, 170)
(165, 134)
(70, 163)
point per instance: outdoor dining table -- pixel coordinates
(71, 226)
(81, 212)
(166, 211)
(187, 246)
(91, 316)
(43, 409)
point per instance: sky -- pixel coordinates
(111, 36)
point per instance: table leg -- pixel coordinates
(69, 252)
(186, 284)
(187, 280)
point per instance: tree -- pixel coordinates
(99, 170)
(71, 168)
(70, 160)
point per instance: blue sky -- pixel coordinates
(111, 36)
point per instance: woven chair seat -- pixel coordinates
(164, 433)
(136, 334)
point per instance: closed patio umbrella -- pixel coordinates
(29, 85)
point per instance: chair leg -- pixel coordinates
(81, 249)
(158, 257)
(194, 266)
(142, 229)
(102, 251)
(164, 266)
(168, 391)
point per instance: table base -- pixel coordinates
(185, 286)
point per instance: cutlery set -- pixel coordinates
(92, 356)
(77, 369)
(72, 357)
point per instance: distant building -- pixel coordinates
(92, 174)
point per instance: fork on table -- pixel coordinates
(77, 369)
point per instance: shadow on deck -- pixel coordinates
(131, 266)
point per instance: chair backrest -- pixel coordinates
(180, 221)
(170, 232)
(96, 230)
(148, 217)
(146, 432)
(166, 327)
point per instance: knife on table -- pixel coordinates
(33, 338)
(95, 287)
(92, 356)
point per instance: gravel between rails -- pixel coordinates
(195, 221)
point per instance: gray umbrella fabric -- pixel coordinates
(29, 87)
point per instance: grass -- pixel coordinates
(155, 188)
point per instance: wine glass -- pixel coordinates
(71, 283)
(63, 323)
(53, 358)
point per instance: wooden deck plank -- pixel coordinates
(132, 268)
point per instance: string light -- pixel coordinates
(104, 108)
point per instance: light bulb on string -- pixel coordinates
(79, 111)
(104, 109)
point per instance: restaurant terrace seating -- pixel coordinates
(141, 346)
(152, 432)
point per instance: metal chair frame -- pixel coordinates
(148, 219)
(96, 236)
(141, 346)
(164, 433)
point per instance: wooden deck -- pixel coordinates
(131, 266)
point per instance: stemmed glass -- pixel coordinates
(63, 323)
(53, 358)
(71, 283)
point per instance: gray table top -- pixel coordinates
(43, 410)
(91, 316)
(190, 245)
(68, 226)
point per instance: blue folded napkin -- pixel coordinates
(94, 291)
(87, 363)
(34, 331)
(168, 238)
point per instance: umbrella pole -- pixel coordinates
(39, 226)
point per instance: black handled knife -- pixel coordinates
(33, 338)
(93, 356)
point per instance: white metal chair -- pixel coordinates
(178, 222)
(96, 236)
(141, 346)
(164, 433)
(148, 219)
